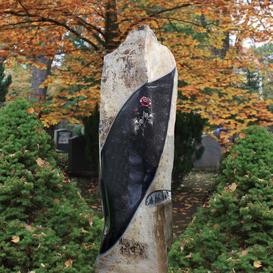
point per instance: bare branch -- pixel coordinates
(23, 6)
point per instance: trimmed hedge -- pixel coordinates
(235, 232)
(45, 225)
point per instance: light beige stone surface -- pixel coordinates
(143, 246)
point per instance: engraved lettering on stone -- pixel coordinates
(64, 137)
(158, 197)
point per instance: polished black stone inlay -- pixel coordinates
(131, 154)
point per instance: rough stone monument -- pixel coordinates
(137, 117)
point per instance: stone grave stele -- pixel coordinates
(137, 117)
(61, 139)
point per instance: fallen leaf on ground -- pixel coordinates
(244, 252)
(15, 239)
(231, 188)
(257, 264)
(68, 263)
(41, 163)
(30, 110)
(189, 256)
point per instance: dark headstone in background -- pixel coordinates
(61, 139)
(211, 157)
(78, 164)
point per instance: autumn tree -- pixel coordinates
(265, 55)
(79, 33)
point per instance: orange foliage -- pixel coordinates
(82, 32)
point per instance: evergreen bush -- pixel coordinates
(234, 233)
(45, 225)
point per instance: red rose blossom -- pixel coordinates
(145, 101)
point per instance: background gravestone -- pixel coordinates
(137, 117)
(212, 154)
(78, 164)
(61, 139)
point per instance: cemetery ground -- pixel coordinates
(192, 193)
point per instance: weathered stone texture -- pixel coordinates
(143, 246)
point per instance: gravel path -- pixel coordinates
(193, 193)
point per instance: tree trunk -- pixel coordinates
(220, 52)
(112, 32)
(38, 77)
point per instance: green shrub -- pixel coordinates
(235, 232)
(45, 225)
